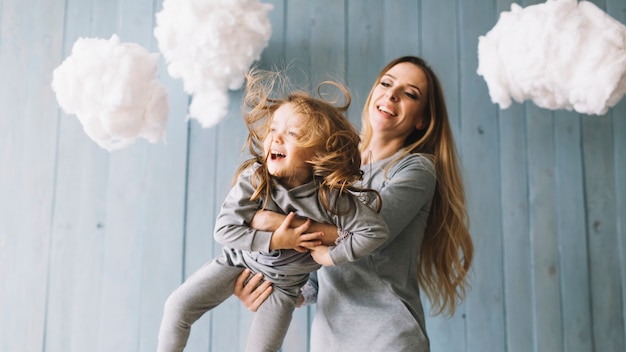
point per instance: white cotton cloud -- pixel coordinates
(113, 90)
(210, 45)
(560, 54)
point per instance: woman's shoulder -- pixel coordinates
(414, 161)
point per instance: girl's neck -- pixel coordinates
(379, 149)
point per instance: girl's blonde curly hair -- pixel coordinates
(329, 135)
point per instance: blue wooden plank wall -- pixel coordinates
(92, 242)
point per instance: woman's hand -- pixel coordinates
(287, 237)
(254, 292)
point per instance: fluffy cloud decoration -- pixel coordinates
(113, 90)
(560, 54)
(211, 44)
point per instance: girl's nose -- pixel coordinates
(277, 138)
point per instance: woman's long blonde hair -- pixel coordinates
(336, 158)
(447, 249)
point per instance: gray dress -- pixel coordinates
(374, 304)
(249, 248)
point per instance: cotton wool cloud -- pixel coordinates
(112, 88)
(559, 54)
(210, 45)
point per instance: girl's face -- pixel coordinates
(397, 104)
(285, 158)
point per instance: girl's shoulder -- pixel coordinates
(246, 171)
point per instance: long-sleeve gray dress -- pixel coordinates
(374, 304)
(249, 248)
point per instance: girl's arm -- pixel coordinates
(265, 220)
(234, 229)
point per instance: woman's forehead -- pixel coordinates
(408, 74)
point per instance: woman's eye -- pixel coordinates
(411, 95)
(385, 84)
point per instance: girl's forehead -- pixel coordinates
(287, 115)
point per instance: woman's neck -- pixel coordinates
(379, 149)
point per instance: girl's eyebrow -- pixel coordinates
(410, 84)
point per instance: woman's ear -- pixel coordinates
(421, 123)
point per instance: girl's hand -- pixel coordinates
(286, 237)
(267, 220)
(321, 255)
(251, 293)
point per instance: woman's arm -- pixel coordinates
(250, 292)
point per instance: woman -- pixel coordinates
(409, 157)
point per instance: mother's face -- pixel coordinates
(398, 101)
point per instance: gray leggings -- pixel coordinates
(206, 289)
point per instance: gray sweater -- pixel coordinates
(367, 228)
(374, 304)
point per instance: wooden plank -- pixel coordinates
(600, 165)
(572, 237)
(31, 37)
(328, 27)
(515, 226)
(515, 216)
(78, 224)
(200, 219)
(438, 44)
(273, 56)
(167, 164)
(297, 41)
(404, 24)
(365, 29)
(617, 10)
(545, 266)
(478, 142)
(619, 139)
(608, 325)
(141, 179)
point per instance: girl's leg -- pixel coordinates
(271, 322)
(203, 290)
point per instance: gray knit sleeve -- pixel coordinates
(367, 230)
(232, 227)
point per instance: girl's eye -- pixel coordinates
(293, 134)
(385, 84)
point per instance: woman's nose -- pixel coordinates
(391, 95)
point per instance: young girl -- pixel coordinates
(305, 162)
